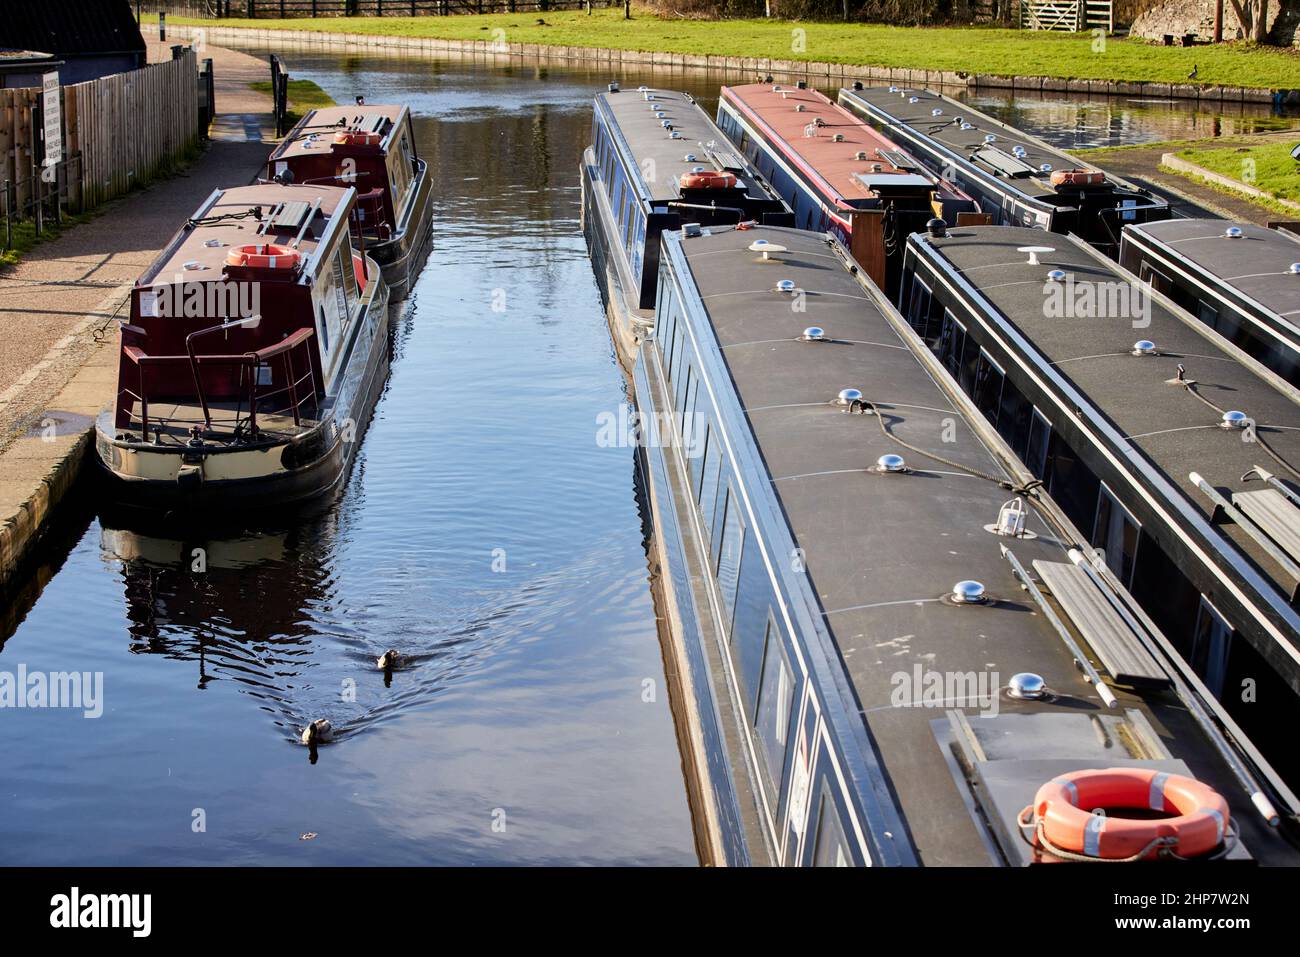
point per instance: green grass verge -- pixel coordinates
(1275, 172)
(958, 49)
(304, 95)
(25, 238)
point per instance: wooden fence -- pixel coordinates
(117, 130)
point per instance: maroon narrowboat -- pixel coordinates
(256, 348)
(373, 149)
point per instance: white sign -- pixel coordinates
(53, 110)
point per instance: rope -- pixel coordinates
(1017, 489)
(1190, 386)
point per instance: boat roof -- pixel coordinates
(1173, 431)
(320, 123)
(883, 550)
(1257, 263)
(190, 257)
(652, 147)
(946, 130)
(774, 108)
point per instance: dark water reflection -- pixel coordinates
(484, 534)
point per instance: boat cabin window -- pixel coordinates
(399, 176)
(709, 483)
(1040, 439)
(989, 379)
(923, 312)
(830, 848)
(1207, 314)
(1210, 644)
(775, 702)
(952, 343)
(729, 554)
(1155, 279)
(1116, 533)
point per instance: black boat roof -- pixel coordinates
(1256, 262)
(659, 158)
(883, 551)
(1173, 431)
(962, 130)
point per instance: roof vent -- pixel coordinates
(967, 126)
(814, 334)
(1144, 347)
(786, 286)
(1018, 151)
(776, 87)
(697, 169)
(764, 247)
(913, 99)
(860, 155)
(666, 124)
(1295, 269)
(1057, 275)
(648, 95)
(837, 138)
(692, 230)
(688, 158)
(194, 264)
(1233, 232)
(1045, 168)
(937, 228)
(802, 84)
(660, 114)
(891, 463)
(674, 135)
(1232, 419)
(1033, 252)
(613, 88)
(857, 85)
(892, 89)
(849, 397)
(968, 592)
(1027, 685)
(798, 107)
(936, 112)
(990, 138)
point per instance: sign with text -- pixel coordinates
(52, 109)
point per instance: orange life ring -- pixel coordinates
(1078, 177)
(708, 179)
(357, 138)
(1062, 813)
(264, 256)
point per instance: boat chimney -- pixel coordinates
(613, 88)
(937, 228)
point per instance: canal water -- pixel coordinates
(486, 534)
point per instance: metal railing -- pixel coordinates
(301, 9)
(299, 389)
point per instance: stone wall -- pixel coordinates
(1178, 17)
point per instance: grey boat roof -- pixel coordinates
(1257, 263)
(655, 149)
(883, 550)
(1174, 432)
(946, 129)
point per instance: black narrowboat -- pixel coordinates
(1172, 449)
(657, 163)
(1015, 178)
(1240, 279)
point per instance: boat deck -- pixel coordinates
(381, 118)
(1176, 432)
(884, 551)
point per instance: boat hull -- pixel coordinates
(267, 476)
(628, 324)
(401, 258)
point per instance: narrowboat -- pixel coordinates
(1172, 449)
(895, 647)
(1240, 279)
(256, 348)
(657, 163)
(371, 148)
(1015, 178)
(838, 174)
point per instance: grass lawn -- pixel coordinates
(304, 95)
(1275, 172)
(969, 49)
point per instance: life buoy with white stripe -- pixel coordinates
(264, 256)
(1078, 177)
(708, 179)
(1070, 813)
